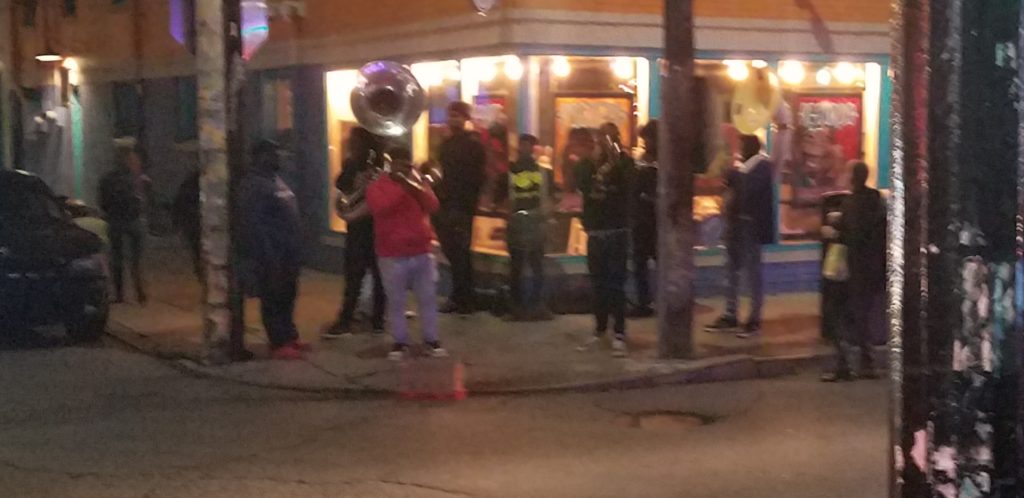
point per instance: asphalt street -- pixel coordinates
(105, 422)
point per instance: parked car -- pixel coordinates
(52, 271)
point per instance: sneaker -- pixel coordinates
(411, 315)
(337, 331)
(591, 343)
(724, 323)
(288, 352)
(435, 350)
(837, 377)
(378, 331)
(398, 352)
(749, 331)
(619, 348)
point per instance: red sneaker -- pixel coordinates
(287, 352)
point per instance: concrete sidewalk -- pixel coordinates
(490, 355)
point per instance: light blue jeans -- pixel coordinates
(418, 274)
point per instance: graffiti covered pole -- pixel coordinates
(678, 141)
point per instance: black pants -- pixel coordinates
(521, 258)
(644, 251)
(360, 259)
(849, 319)
(607, 255)
(129, 234)
(455, 232)
(277, 307)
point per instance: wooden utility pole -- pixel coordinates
(217, 48)
(678, 138)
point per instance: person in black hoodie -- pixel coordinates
(604, 180)
(463, 162)
(121, 199)
(359, 169)
(750, 224)
(862, 230)
(270, 248)
(645, 219)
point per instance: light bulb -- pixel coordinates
(561, 67)
(824, 77)
(513, 68)
(738, 71)
(623, 68)
(792, 72)
(845, 73)
(488, 71)
(759, 64)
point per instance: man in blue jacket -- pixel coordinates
(750, 224)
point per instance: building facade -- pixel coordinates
(544, 67)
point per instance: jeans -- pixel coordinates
(455, 233)
(418, 274)
(130, 233)
(277, 307)
(607, 255)
(744, 256)
(535, 259)
(360, 259)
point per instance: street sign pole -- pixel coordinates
(678, 139)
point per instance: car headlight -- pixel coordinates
(91, 265)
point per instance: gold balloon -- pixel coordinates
(755, 101)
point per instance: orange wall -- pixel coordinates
(872, 11)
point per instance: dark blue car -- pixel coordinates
(51, 270)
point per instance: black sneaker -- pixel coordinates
(398, 352)
(378, 331)
(337, 331)
(724, 323)
(750, 330)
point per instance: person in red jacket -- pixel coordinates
(401, 203)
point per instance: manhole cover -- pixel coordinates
(665, 420)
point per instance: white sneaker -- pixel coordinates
(398, 352)
(619, 348)
(435, 350)
(590, 344)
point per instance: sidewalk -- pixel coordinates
(494, 356)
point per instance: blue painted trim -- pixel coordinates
(885, 130)
(655, 88)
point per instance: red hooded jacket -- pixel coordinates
(401, 218)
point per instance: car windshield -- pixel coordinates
(29, 207)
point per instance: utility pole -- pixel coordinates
(218, 46)
(678, 138)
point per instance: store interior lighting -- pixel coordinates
(737, 70)
(513, 68)
(845, 73)
(759, 64)
(824, 77)
(623, 68)
(561, 67)
(487, 71)
(792, 72)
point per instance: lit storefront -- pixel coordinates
(824, 114)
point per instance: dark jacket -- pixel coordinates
(463, 159)
(862, 230)
(606, 189)
(269, 230)
(750, 202)
(119, 199)
(645, 203)
(529, 199)
(186, 205)
(360, 232)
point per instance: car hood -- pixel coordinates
(45, 247)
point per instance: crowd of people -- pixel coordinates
(394, 210)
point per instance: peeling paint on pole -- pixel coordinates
(214, 182)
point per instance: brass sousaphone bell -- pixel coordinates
(387, 100)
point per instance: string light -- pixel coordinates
(792, 72)
(824, 77)
(561, 67)
(513, 68)
(623, 68)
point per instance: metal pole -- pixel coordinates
(212, 82)
(678, 138)
(236, 163)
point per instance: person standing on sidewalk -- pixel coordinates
(188, 219)
(529, 209)
(750, 224)
(361, 168)
(604, 180)
(463, 163)
(121, 198)
(645, 219)
(269, 249)
(401, 203)
(862, 230)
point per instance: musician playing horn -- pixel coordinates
(361, 167)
